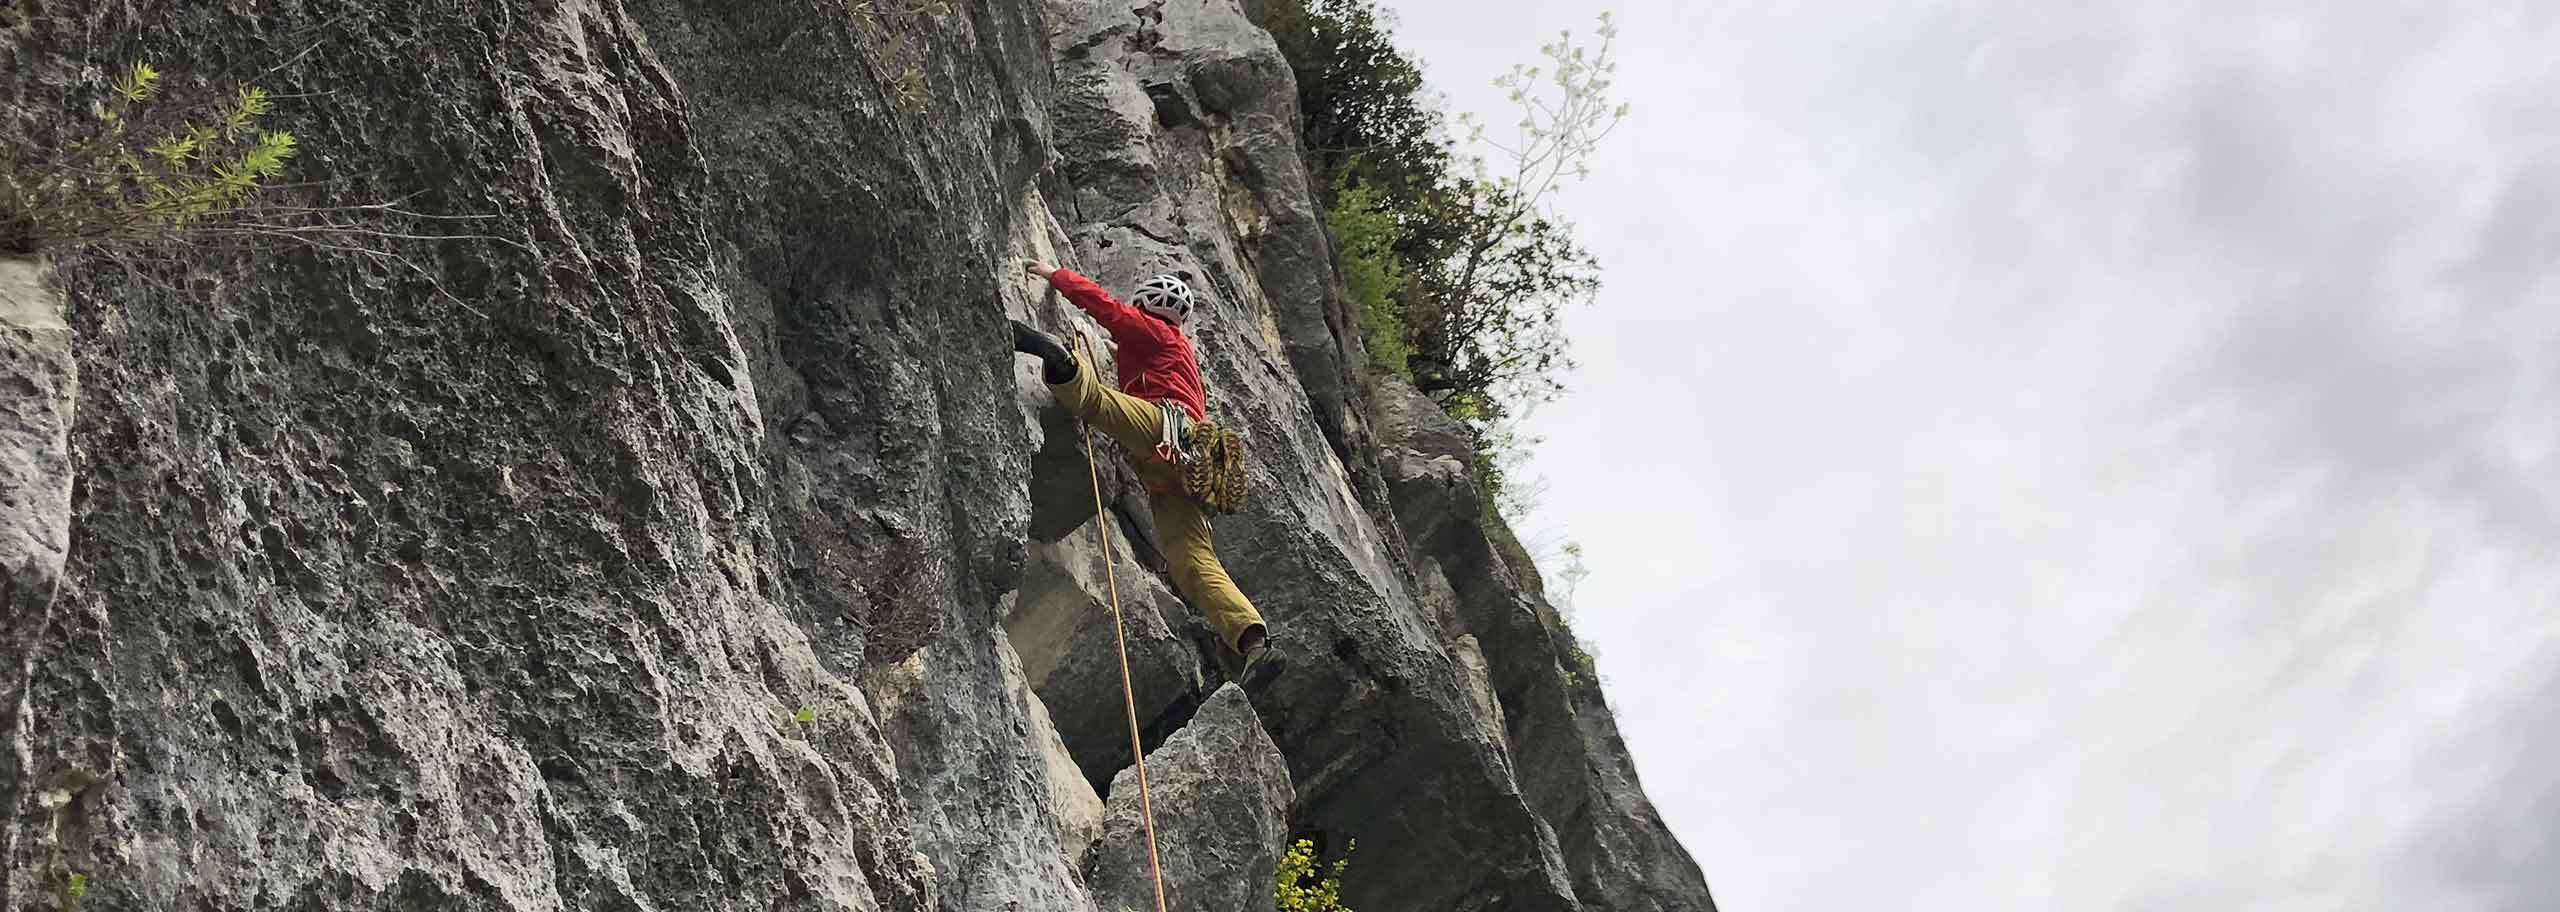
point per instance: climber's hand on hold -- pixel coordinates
(1035, 267)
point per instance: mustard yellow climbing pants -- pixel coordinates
(1180, 522)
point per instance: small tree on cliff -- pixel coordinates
(1481, 267)
(1361, 96)
(1486, 340)
(147, 169)
(150, 164)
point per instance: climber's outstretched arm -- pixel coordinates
(1121, 320)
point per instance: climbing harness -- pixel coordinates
(1120, 633)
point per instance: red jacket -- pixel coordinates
(1156, 361)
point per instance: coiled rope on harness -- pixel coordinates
(1120, 635)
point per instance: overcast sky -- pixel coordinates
(2072, 455)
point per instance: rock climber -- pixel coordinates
(1159, 372)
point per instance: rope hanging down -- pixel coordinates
(1120, 634)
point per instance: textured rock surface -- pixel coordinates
(1079, 808)
(495, 576)
(1573, 767)
(380, 598)
(1221, 797)
(1170, 125)
(973, 763)
(39, 384)
(1062, 620)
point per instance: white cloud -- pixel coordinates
(2099, 455)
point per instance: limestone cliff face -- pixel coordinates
(700, 544)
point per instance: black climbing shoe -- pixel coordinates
(1263, 664)
(1056, 366)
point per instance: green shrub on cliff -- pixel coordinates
(75, 892)
(1482, 267)
(1308, 886)
(146, 166)
(1365, 237)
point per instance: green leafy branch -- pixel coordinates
(149, 168)
(152, 167)
(155, 167)
(1565, 111)
(1373, 278)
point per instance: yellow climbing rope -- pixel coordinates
(1120, 634)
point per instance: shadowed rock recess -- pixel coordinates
(699, 544)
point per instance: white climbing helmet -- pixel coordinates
(1165, 296)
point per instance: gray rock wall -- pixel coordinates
(39, 385)
(1574, 769)
(1221, 794)
(695, 541)
(1062, 621)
